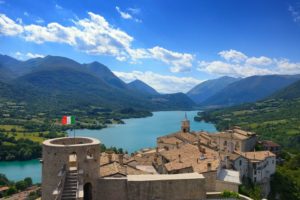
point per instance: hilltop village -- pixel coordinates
(184, 165)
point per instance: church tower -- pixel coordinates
(185, 125)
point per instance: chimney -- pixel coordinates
(109, 157)
(208, 166)
(121, 159)
(156, 149)
(199, 144)
(179, 158)
(177, 145)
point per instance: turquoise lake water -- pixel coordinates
(133, 135)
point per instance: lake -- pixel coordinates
(135, 134)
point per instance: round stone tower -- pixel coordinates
(70, 168)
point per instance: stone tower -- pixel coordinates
(70, 168)
(185, 125)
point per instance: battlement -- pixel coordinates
(67, 141)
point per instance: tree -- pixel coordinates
(21, 185)
(28, 181)
(12, 190)
(3, 180)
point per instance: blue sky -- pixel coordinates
(171, 45)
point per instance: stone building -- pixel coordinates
(235, 140)
(184, 165)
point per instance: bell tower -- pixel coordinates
(185, 125)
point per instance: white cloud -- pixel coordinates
(181, 62)
(233, 55)
(240, 65)
(2, 2)
(161, 83)
(124, 15)
(9, 27)
(94, 35)
(259, 61)
(284, 66)
(25, 56)
(26, 14)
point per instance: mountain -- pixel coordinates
(206, 89)
(250, 89)
(6, 67)
(55, 82)
(290, 92)
(142, 87)
(101, 71)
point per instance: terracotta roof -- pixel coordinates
(189, 156)
(232, 156)
(115, 169)
(169, 140)
(257, 155)
(230, 135)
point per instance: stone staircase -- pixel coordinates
(70, 186)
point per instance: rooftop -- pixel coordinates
(165, 177)
(257, 155)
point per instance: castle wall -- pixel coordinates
(222, 185)
(56, 154)
(112, 189)
(165, 189)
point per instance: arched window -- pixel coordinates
(73, 161)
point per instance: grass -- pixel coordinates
(10, 127)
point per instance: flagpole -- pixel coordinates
(74, 134)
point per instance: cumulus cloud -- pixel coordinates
(94, 35)
(162, 83)
(181, 62)
(238, 64)
(233, 55)
(28, 55)
(9, 27)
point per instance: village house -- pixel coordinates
(184, 165)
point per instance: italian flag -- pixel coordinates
(66, 120)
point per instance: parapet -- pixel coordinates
(73, 142)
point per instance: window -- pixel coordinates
(240, 162)
(254, 179)
(254, 172)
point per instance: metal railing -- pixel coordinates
(60, 186)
